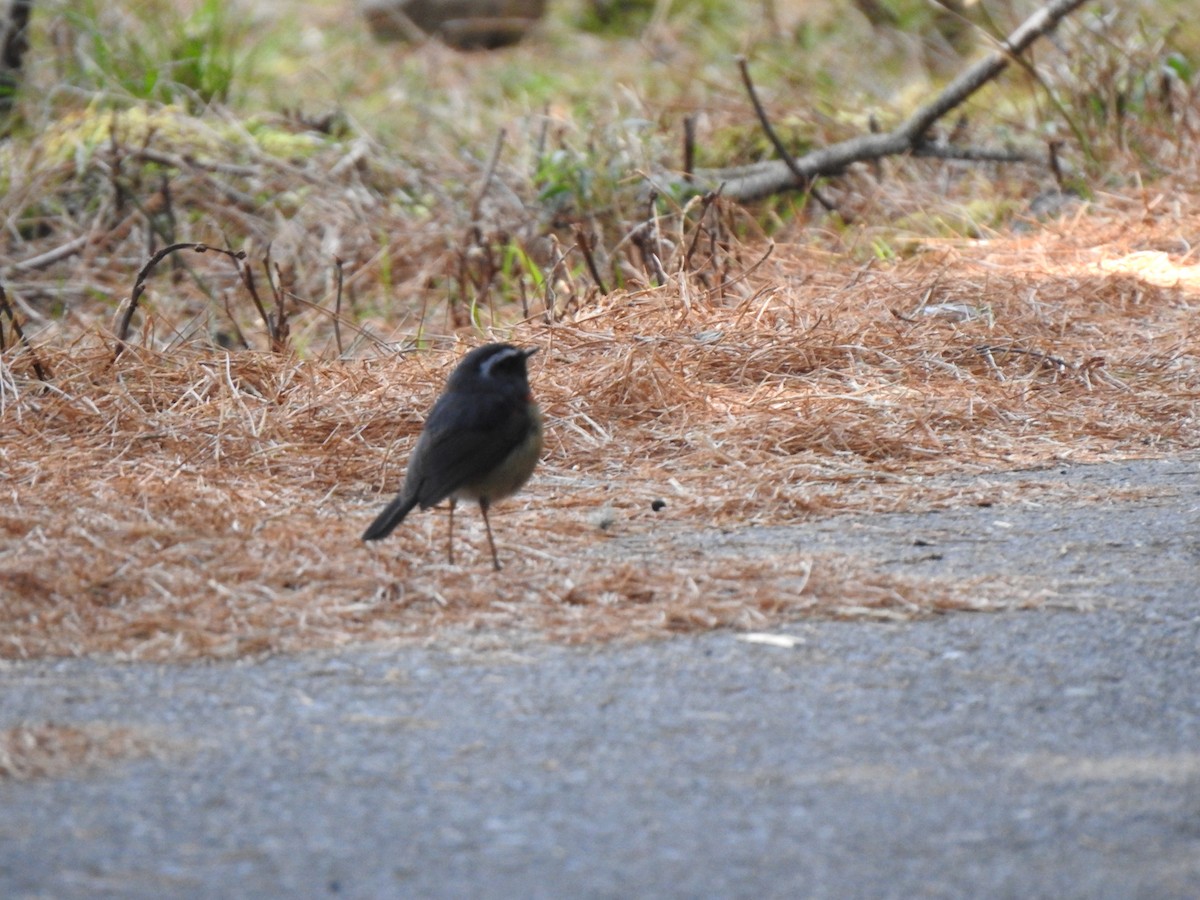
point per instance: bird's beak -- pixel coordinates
(531, 351)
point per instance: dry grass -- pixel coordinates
(189, 502)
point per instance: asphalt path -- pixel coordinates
(1044, 753)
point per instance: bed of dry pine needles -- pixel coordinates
(179, 500)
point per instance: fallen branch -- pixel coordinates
(70, 248)
(763, 179)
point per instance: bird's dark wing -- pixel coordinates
(465, 437)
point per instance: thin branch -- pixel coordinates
(646, 238)
(248, 280)
(987, 350)
(337, 308)
(489, 175)
(689, 148)
(802, 180)
(643, 238)
(1052, 149)
(360, 333)
(281, 331)
(745, 273)
(584, 243)
(707, 201)
(41, 373)
(551, 293)
(139, 286)
(240, 338)
(187, 161)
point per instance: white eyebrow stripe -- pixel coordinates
(496, 358)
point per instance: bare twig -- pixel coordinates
(646, 238)
(139, 285)
(708, 200)
(248, 280)
(41, 373)
(584, 243)
(168, 208)
(762, 180)
(689, 148)
(238, 338)
(524, 298)
(1052, 149)
(643, 238)
(360, 333)
(489, 174)
(539, 146)
(279, 334)
(558, 273)
(987, 351)
(803, 180)
(652, 219)
(729, 282)
(70, 248)
(337, 307)
(765, 122)
(551, 291)
(187, 161)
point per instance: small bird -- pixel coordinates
(481, 442)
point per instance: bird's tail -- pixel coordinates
(393, 514)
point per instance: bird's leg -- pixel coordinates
(483, 508)
(450, 534)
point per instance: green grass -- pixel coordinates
(160, 53)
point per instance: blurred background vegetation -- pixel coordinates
(443, 176)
